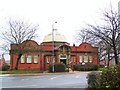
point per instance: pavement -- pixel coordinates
(72, 79)
(46, 73)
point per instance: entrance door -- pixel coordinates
(63, 61)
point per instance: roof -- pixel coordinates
(57, 37)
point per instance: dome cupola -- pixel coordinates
(57, 37)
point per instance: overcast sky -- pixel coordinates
(71, 15)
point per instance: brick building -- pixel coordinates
(2, 61)
(37, 56)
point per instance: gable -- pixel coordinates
(84, 47)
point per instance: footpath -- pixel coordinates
(47, 73)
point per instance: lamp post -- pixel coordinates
(53, 47)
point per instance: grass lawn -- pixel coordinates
(20, 72)
(102, 69)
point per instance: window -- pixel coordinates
(85, 58)
(74, 59)
(85, 47)
(62, 56)
(54, 60)
(48, 59)
(22, 59)
(80, 59)
(35, 59)
(29, 59)
(90, 59)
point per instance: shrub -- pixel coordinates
(109, 78)
(92, 80)
(102, 69)
(76, 67)
(58, 67)
(5, 67)
(86, 67)
(101, 66)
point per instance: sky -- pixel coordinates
(71, 15)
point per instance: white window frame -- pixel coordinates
(35, 58)
(85, 58)
(22, 59)
(90, 58)
(80, 58)
(29, 59)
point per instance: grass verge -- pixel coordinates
(20, 72)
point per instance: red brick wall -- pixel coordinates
(85, 49)
(82, 49)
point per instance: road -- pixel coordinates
(76, 80)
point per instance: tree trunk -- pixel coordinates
(108, 58)
(115, 53)
(18, 59)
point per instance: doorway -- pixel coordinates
(63, 61)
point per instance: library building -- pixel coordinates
(52, 50)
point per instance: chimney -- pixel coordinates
(73, 44)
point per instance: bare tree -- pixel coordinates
(18, 32)
(108, 34)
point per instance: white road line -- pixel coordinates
(55, 77)
(77, 76)
(24, 79)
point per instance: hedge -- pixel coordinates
(58, 67)
(86, 67)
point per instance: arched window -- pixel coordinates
(22, 60)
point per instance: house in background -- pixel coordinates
(105, 62)
(52, 50)
(2, 61)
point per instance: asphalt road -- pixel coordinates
(76, 80)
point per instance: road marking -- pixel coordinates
(77, 76)
(24, 79)
(55, 77)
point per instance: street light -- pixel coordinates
(53, 47)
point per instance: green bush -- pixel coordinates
(58, 67)
(76, 67)
(109, 78)
(92, 80)
(5, 67)
(86, 67)
(102, 69)
(101, 66)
